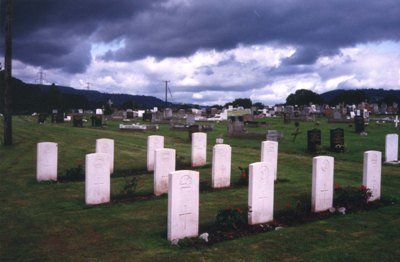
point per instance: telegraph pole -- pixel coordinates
(7, 75)
(166, 92)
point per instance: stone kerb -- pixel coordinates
(221, 166)
(46, 161)
(183, 204)
(269, 153)
(153, 143)
(164, 163)
(261, 193)
(322, 183)
(97, 178)
(392, 148)
(106, 145)
(199, 149)
(372, 167)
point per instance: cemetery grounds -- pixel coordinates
(49, 221)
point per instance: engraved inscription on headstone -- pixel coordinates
(322, 183)
(183, 204)
(269, 153)
(372, 173)
(106, 145)
(47, 161)
(97, 178)
(261, 193)
(221, 166)
(153, 143)
(164, 163)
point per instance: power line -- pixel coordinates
(41, 77)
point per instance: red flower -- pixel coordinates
(244, 174)
(338, 186)
(287, 206)
(238, 210)
(362, 188)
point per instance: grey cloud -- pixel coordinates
(45, 30)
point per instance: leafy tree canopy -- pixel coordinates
(303, 97)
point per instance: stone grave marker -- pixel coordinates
(372, 173)
(337, 115)
(77, 120)
(396, 121)
(183, 204)
(392, 148)
(153, 142)
(164, 163)
(359, 124)
(97, 120)
(42, 118)
(322, 183)
(97, 178)
(313, 140)
(221, 166)
(272, 135)
(46, 161)
(261, 193)
(337, 139)
(106, 145)
(199, 149)
(129, 114)
(269, 153)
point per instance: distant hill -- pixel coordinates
(28, 98)
(355, 96)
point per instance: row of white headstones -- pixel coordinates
(182, 186)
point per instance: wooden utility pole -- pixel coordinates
(166, 92)
(7, 75)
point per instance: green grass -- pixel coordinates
(50, 221)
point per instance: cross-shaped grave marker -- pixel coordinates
(396, 121)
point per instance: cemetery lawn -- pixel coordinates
(50, 221)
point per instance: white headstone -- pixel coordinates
(99, 111)
(164, 163)
(97, 178)
(221, 166)
(199, 149)
(106, 145)
(261, 193)
(392, 148)
(372, 173)
(46, 161)
(352, 114)
(183, 204)
(269, 153)
(153, 143)
(322, 183)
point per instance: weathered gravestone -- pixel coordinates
(97, 179)
(106, 145)
(359, 124)
(183, 204)
(164, 163)
(269, 153)
(273, 135)
(314, 140)
(221, 166)
(199, 149)
(147, 116)
(97, 120)
(261, 193)
(372, 173)
(46, 161)
(129, 114)
(322, 183)
(77, 120)
(153, 143)
(42, 118)
(392, 148)
(337, 139)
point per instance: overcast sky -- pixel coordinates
(212, 51)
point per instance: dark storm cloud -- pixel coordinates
(57, 33)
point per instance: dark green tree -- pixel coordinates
(258, 105)
(244, 102)
(350, 97)
(303, 97)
